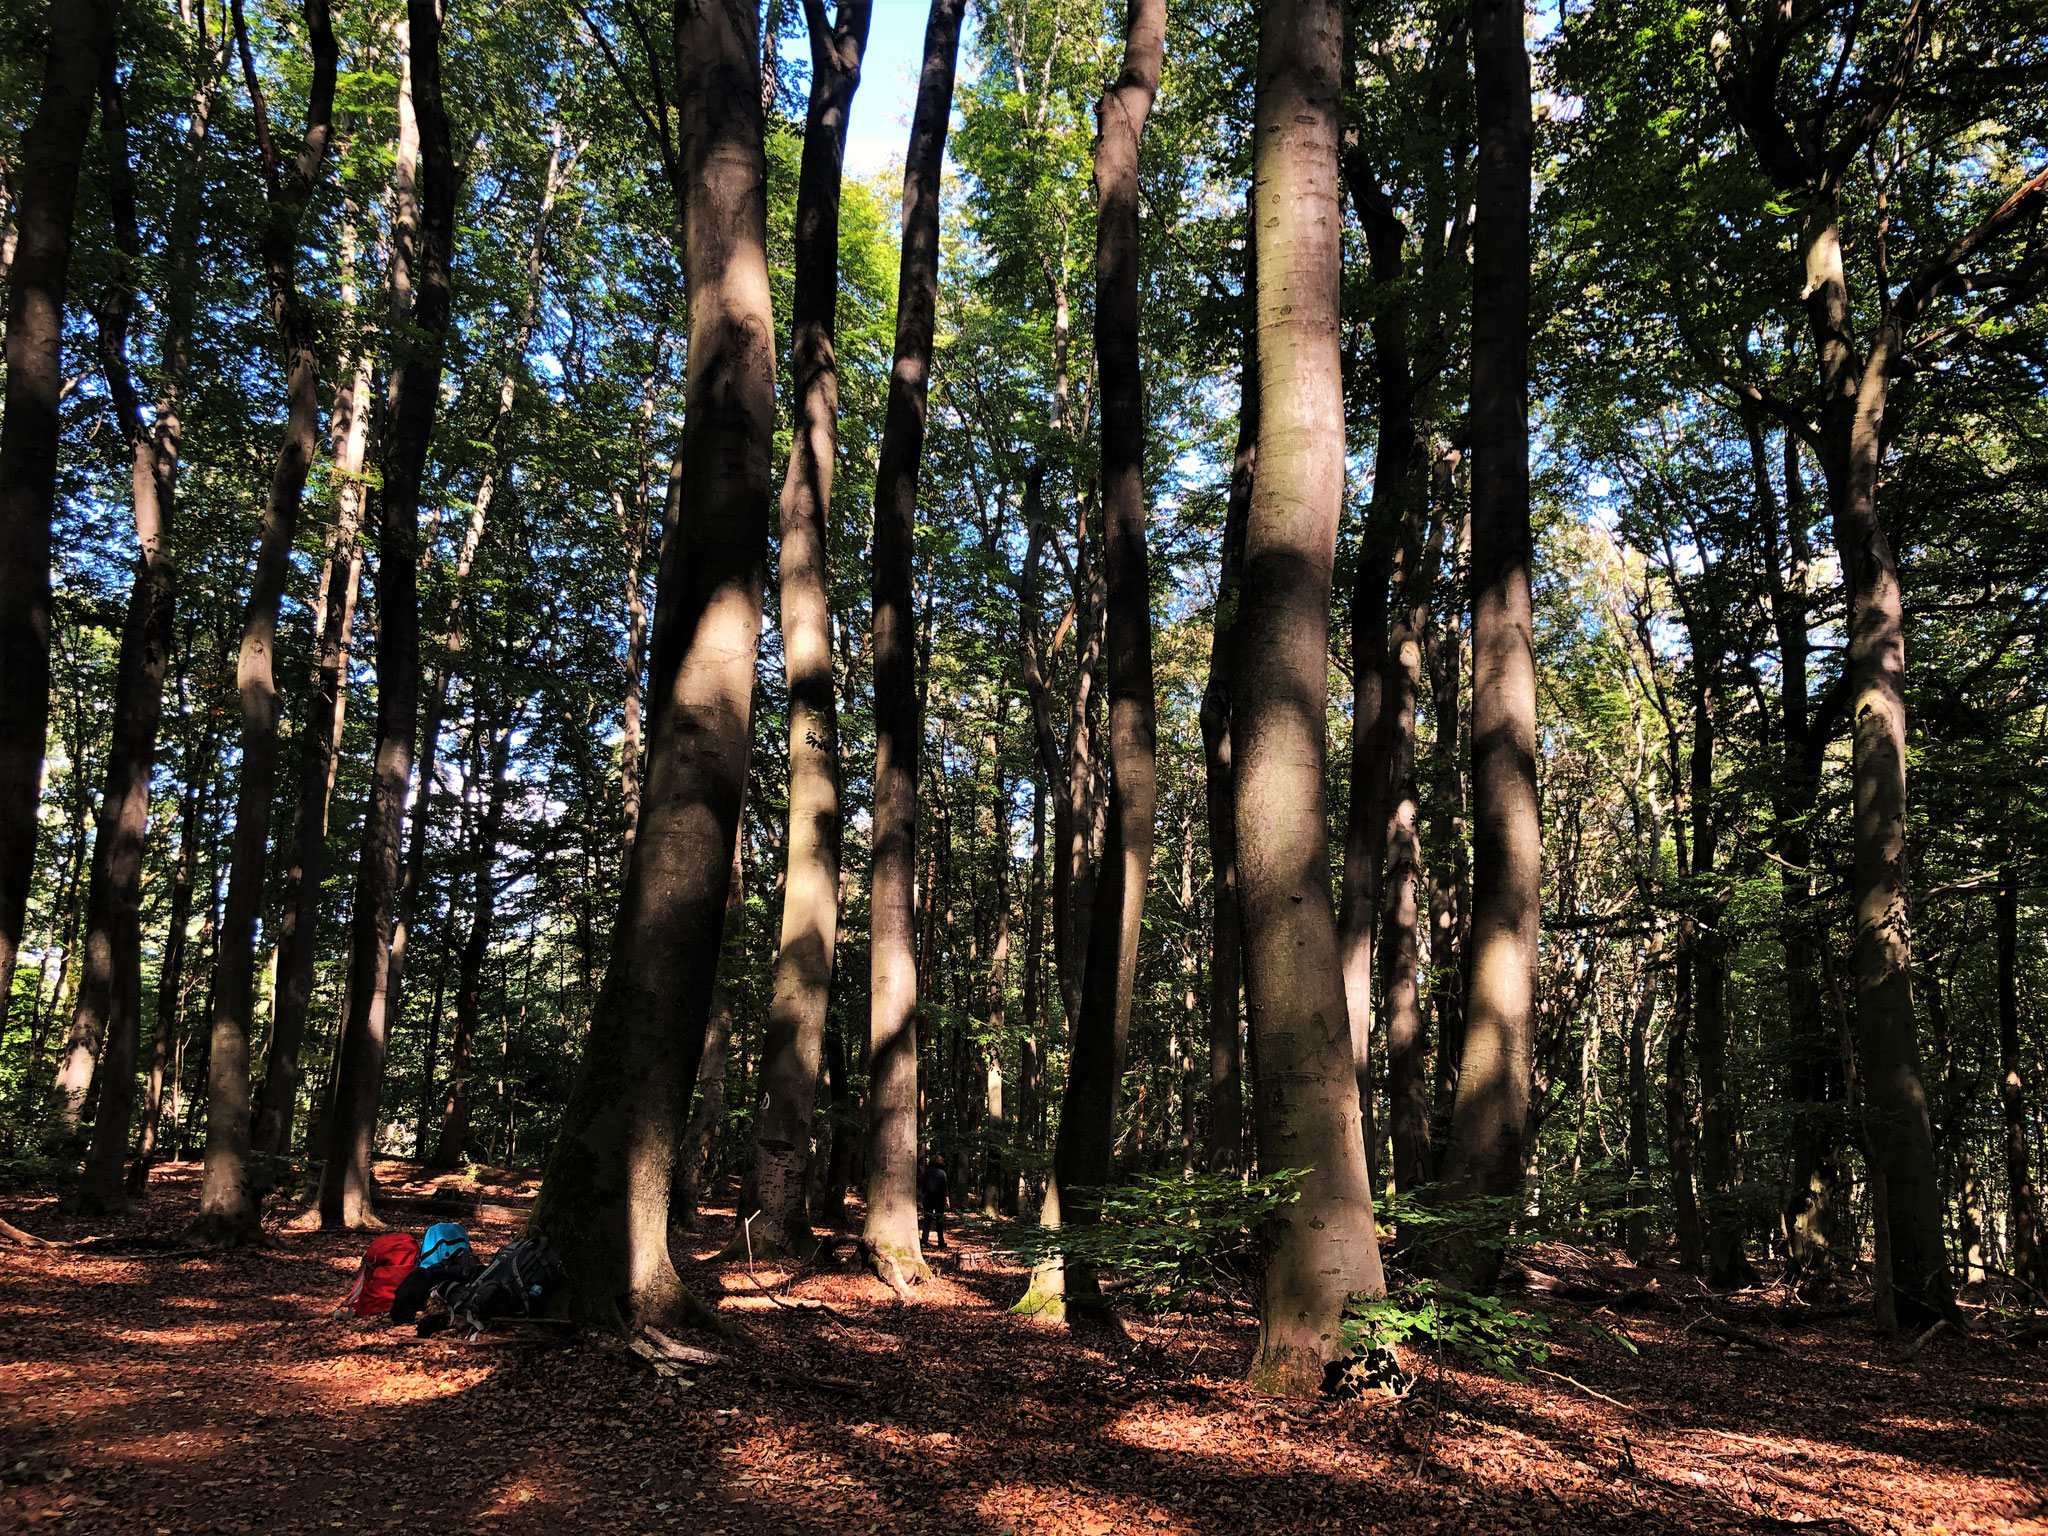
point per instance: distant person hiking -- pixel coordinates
(932, 1199)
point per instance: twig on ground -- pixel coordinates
(1560, 1376)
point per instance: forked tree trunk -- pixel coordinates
(80, 40)
(810, 903)
(1483, 1154)
(1225, 1150)
(320, 740)
(605, 1200)
(1084, 1153)
(1325, 1249)
(110, 987)
(892, 1081)
(346, 1185)
(228, 1210)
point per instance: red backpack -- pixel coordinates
(389, 1259)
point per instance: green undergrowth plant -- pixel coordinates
(1168, 1239)
(1421, 1315)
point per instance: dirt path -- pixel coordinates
(153, 1391)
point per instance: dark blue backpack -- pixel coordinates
(443, 1241)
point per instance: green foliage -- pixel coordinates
(1170, 1236)
(1420, 1314)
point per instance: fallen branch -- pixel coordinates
(15, 1235)
(1560, 1376)
(1736, 1335)
(1914, 1348)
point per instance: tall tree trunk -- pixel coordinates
(110, 986)
(1483, 1155)
(1400, 945)
(997, 1135)
(1450, 871)
(700, 1134)
(346, 1184)
(170, 988)
(320, 738)
(1680, 1137)
(1225, 1149)
(892, 1082)
(1636, 1230)
(830, 1206)
(605, 1200)
(80, 40)
(1308, 1117)
(2023, 1199)
(810, 902)
(1084, 1152)
(1030, 1051)
(228, 1211)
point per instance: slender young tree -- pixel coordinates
(810, 903)
(605, 1199)
(2024, 1244)
(79, 40)
(892, 1082)
(228, 1212)
(110, 986)
(1083, 1155)
(346, 1187)
(1483, 1154)
(1308, 1117)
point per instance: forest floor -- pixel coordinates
(150, 1390)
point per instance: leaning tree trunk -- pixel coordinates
(892, 1082)
(80, 40)
(1083, 1154)
(1325, 1249)
(810, 903)
(320, 741)
(346, 1185)
(228, 1210)
(1483, 1154)
(605, 1200)
(1225, 1150)
(110, 986)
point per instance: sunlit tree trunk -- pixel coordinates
(810, 903)
(892, 1082)
(1083, 1154)
(605, 1200)
(1307, 1101)
(80, 39)
(1483, 1153)
(228, 1209)
(320, 736)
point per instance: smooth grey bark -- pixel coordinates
(1326, 1249)
(604, 1202)
(891, 1227)
(780, 1172)
(228, 1208)
(346, 1183)
(1483, 1152)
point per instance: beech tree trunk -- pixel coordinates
(892, 1082)
(228, 1209)
(810, 902)
(1225, 1150)
(700, 1134)
(1084, 1152)
(1483, 1154)
(1680, 1135)
(320, 739)
(80, 40)
(1308, 1117)
(346, 1183)
(1400, 950)
(605, 1200)
(1450, 872)
(110, 986)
